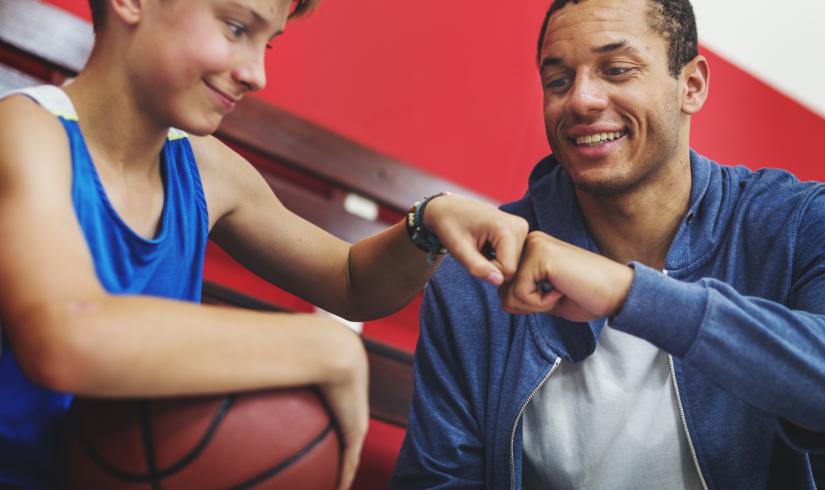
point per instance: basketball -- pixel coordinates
(279, 439)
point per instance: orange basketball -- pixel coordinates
(283, 439)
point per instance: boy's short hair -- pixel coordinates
(98, 8)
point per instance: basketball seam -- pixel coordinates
(267, 474)
(148, 445)
(226, 403)
(153, 476)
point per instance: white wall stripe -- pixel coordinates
(781, 43)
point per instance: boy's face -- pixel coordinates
(611, 108)
(195, 59)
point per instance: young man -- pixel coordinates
(105, 211)
(701, 364)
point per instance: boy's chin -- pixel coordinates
(202, 128)
(199, 132)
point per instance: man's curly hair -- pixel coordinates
(672, 19)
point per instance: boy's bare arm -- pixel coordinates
(369, 279)
(69, 334)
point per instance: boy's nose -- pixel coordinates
(251, 74)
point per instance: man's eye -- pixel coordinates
(556, 84)
(616, 71)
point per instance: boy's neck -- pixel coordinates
(112, 122)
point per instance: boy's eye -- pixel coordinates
(235, 28)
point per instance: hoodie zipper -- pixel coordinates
(682, 413)
(518, 417)
(684, 422)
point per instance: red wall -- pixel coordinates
(451, 87)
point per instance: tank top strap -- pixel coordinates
(51, 98)
(54, 99)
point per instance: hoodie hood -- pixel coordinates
(551, 193)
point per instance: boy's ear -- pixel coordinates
(696, 80)
(129, 11)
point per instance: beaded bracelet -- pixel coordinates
(420, 235)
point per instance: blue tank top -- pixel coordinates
(170, 265)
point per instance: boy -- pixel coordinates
(105, 211)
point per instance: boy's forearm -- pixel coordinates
(385, 272)
(142, 346)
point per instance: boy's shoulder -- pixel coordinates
(25, 124)
(229, 179)
(20, 109)
(215, 158)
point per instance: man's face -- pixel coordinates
(201, 56)
(611, 108)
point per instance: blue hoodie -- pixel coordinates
(741, 312)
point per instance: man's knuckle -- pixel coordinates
(508, 268)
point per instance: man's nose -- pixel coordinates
(587, 95)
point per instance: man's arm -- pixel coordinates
(369, 279)
(442, 447)
(770, 354)
(69, 334)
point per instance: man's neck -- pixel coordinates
(639, 225)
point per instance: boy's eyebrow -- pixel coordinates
(607, 48)
(256, 16)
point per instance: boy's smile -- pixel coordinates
(225, 100)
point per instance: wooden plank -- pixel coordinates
(390, 369)
(331, 157)
(324, 212)
(47, 32)
(391, 382)
(11, 79)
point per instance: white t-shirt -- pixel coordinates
(608, 422)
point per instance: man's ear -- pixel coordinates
(129, 11)
(695, 79)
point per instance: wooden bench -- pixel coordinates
(315, 172)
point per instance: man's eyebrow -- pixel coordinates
(617, 46)
(549, 61)
(607, 48)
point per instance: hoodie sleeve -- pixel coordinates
(442, 447)
(770, 354)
